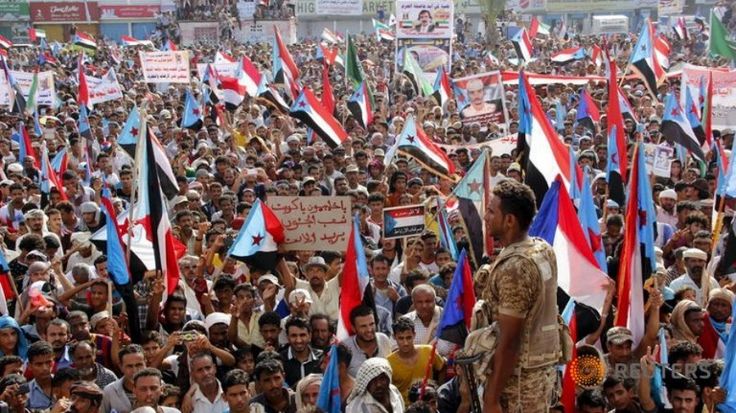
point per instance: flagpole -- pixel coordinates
(718, 225)
(428, 368)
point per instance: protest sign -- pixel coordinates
(46, 89)
(498, 146)
(724, 92)
(662, 160)
(313, 223)
(226, 69)
(340, 7)
(481, 99)
(424, 19)
(165, 67)
(403, 221)
(105, 88)
(424, 29)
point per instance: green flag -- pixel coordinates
(353, 70)
(32, 95)
(719, 45)
(415, 73)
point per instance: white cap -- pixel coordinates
(668, 194)
(216, 318)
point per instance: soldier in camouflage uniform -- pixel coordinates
(522, 296)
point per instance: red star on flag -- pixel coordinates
(257, 239)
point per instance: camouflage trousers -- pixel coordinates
(531, 391)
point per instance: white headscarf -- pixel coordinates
(368, 371)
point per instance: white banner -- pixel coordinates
(226, 69)
(724, 92)
(423, 19)
(340, 7)
(498, 146)
(104, 89)
(165, 67)
(46, 88)
(669, 7)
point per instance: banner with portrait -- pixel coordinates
(430, 54)
(424, 19)
(482, 99)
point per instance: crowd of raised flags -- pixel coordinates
(202, 158)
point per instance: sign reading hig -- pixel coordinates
(425, 29)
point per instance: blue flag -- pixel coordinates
(84, 129)
(589, 221)
(117, 265)
(192, 112)
(728, 377)
(727, 183)
(36, 125)
(460, 298)
(647, 213)
(329, 392)
(525, 106)
(129, 136)
(560, 115)
(574, 185)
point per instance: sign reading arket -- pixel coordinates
(71, 11)
(313, 223)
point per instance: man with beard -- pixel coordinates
(118, 395)
(274, 397)
(208, 396)
(666, 213)
(325, 294)
(695, 277)
(299, 358)
(235, 387)
(716, 326)
(57, 334)
(522, 293)
(373, 391)
(366, 342)
(322, 332)
(147, 390)
(84, 356)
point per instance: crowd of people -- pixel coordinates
(236, 338)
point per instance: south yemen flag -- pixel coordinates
(677, 129)
(473, 196)
(308, 109)
(359, 105)
(414, 142)
(643, 60)
(85, 41)
(257, 242)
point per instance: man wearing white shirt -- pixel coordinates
(208, 396)
(666, 210)
(696, 277)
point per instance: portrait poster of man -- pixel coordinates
(430, 54)
(427, 19)
(482, 99)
